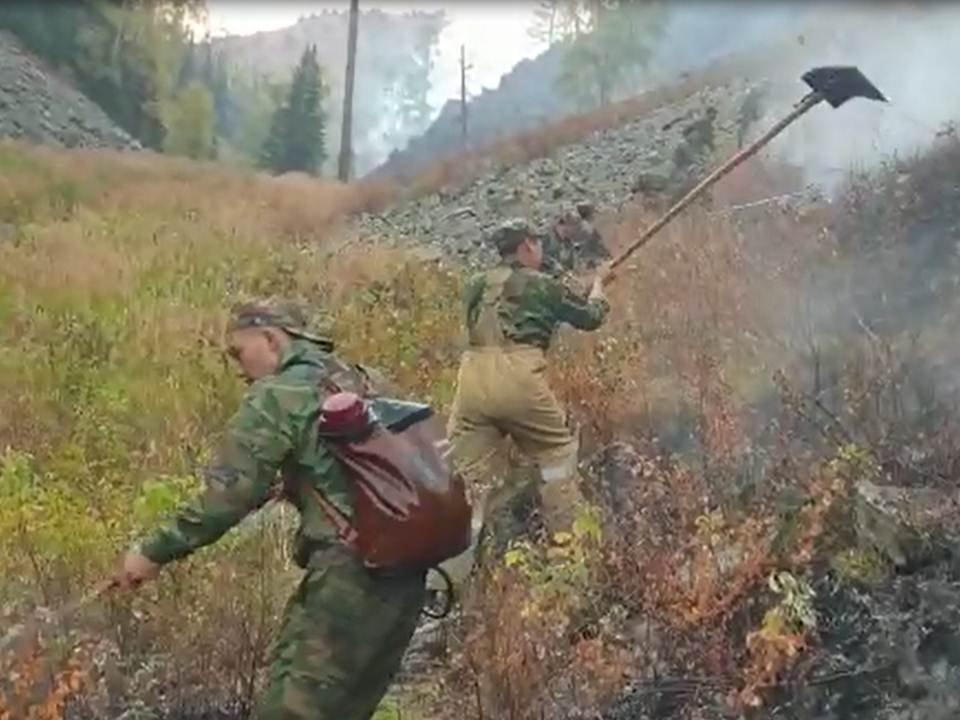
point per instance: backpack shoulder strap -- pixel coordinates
(339, 376)
(486, 330)
(346, 533)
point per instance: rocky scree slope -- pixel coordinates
(39, 106)
(658, 154)
(663, 149)
(532, 95)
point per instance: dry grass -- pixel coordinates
(113, 293)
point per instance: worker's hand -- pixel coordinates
(135, 569)
(601, 275)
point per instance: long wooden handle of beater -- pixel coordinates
(803, 106)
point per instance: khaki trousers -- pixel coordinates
(502, 392)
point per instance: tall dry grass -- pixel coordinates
(116, 274)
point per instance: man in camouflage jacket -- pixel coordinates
(345, 628)
(573, 244)
(512, 312)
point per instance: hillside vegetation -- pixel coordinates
(756, 371)
(117, 275)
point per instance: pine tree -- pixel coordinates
(618, 42)
(296, 141)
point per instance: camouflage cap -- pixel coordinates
(283, 315)
(506, 238)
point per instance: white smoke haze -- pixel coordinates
(910, 51)
(901, 289)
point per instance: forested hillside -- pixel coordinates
(140, 63)
(395, 63)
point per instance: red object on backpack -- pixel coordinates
(344, 413)
(410, 507)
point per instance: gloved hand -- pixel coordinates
(601, 275)
(135, 569)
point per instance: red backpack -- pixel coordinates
(410, 507)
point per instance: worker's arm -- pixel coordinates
(472, 295)
(258, 438)
(582, 313)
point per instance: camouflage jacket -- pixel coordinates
(270, 445)
(558, 254)
(511, 304)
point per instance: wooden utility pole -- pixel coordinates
(463, 94)
(346, 134)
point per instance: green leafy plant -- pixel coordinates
(794, 612)
(560, 572)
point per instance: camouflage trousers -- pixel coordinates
(342, 638)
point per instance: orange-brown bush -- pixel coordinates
(758, 363)
(36, 689)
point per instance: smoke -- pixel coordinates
(888, 293)
(898, 287)
(909, 50)
(700, 31)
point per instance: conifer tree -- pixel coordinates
(297, 139)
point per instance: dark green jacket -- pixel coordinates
(528, 306)
(274, 431)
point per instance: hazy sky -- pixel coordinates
(494, 33)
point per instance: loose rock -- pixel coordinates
(38, 106)
(654, 156)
